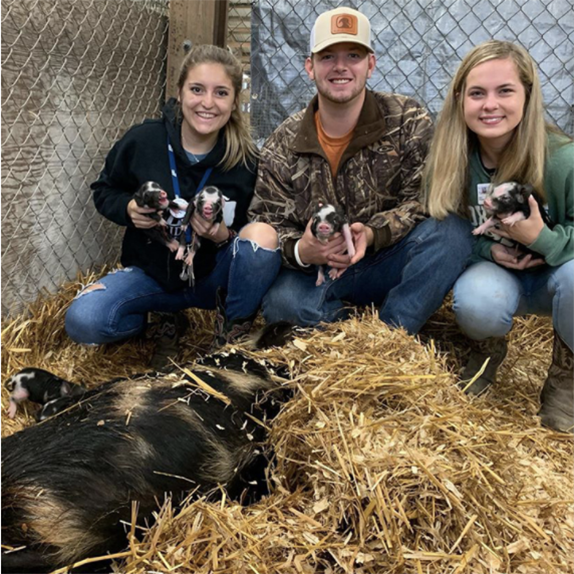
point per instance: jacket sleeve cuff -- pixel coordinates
(543, 241)
(483, 249)
(289, 255)
(120, 210)
(381, 238)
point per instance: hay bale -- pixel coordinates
(383, 465)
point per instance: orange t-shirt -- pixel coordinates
(333, 147)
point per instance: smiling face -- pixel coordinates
(207, 99)
(341, 71)
(494, 99)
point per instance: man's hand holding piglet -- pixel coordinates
(363, 237)
(332, 253)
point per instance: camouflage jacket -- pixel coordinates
(378, 179)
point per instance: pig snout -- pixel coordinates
(488, 203)
(163, 200)
(19, 394)
(324, 228)
(207, 211)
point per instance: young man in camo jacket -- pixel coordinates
(363, 151)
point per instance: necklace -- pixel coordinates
(196, 157)
(193, 157)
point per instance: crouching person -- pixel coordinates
(177, 253)
(494, 111)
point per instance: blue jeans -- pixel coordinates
(116, 306)
(487, 296)
(408, 280)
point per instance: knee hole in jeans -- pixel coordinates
(90, 288)
(262, 234)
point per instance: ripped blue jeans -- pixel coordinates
(115, 307)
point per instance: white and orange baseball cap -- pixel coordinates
(340, 25)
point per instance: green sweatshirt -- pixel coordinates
(555, 245)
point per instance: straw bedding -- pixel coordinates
(383, 465)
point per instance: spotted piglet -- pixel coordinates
(327, 221)
(152, 196)
(209, 204)
(508, 203)
(38, 386)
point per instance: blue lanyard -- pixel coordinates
(173, 171)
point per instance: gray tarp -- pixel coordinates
(418, 44)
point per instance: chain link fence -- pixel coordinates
(418, 43)
(77, 73)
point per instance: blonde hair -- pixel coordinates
(239, 145)
(446, 172)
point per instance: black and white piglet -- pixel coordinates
(508, 203)
(208, 203)
(42, 387)
(152, 196)
(327, 221)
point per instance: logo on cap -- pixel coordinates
(344, 24)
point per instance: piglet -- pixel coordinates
(151, 195)
(208, 203)
(38, 386)
(327, 221)
(508, 203)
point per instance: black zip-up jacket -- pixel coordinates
(141, 155)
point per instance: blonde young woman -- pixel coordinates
(201, 140)
(492, 129)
